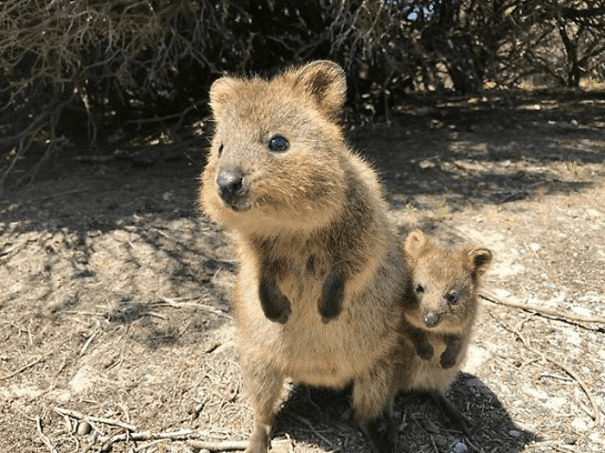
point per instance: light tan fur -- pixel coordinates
(440, 272)
(299, 213)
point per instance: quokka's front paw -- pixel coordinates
(332, 294)
(275, 304)
(452, 351)
(447, 361)
(424, 351)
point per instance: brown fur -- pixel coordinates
(435, 275)
(296, 215)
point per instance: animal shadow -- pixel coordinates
(324, 419)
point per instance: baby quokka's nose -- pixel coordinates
(230, 183)
(431, 319)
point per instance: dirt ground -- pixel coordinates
(115, 325)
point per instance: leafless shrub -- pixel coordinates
(73, 67)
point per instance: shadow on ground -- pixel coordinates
(328, 421)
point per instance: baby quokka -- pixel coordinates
(440, 306)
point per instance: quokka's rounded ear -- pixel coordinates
(479, 260)
(221, 91)
(326, 82)
(414, 242)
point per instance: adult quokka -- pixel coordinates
(318, 292)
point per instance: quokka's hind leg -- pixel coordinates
(372, 401)
(263, 386)
(381, 433)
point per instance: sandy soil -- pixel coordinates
(115, 324)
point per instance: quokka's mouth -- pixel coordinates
(238, 205)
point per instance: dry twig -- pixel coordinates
(23, 368)
(45, 438)
(90, 340)
(563, 315)
(106, 421)
(177, 304)
(223, 445)
(596, 415)
(193, 438)
(596, 411)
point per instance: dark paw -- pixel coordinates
(423, 346)
(425, 351)
(381, 434)
(332, 294)
(450, 355)
(275, 305)
(447, 361)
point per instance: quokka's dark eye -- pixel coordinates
(452, 298)
(220, 150)
(419, 288)
(279, 144)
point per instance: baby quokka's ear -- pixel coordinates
(477, 261)
(326, 83)
(221, 92)
(415, 242)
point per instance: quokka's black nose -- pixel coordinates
(431, 319)
(230, 184)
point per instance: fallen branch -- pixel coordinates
(193, 438)
(106, 421)
(184, 434)
(224, 445)
(564, 315)
(177, 304)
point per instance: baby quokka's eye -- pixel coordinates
(452, 298)
(419, 288)
(278, 144)
(220, 150)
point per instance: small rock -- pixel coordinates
(84, 379)
(514, 433)
(582, 311)
(579, 425)
(83, 428)
(500, 292)
(593, 212)
(534, 246)
(570, 440)
(459, 447)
